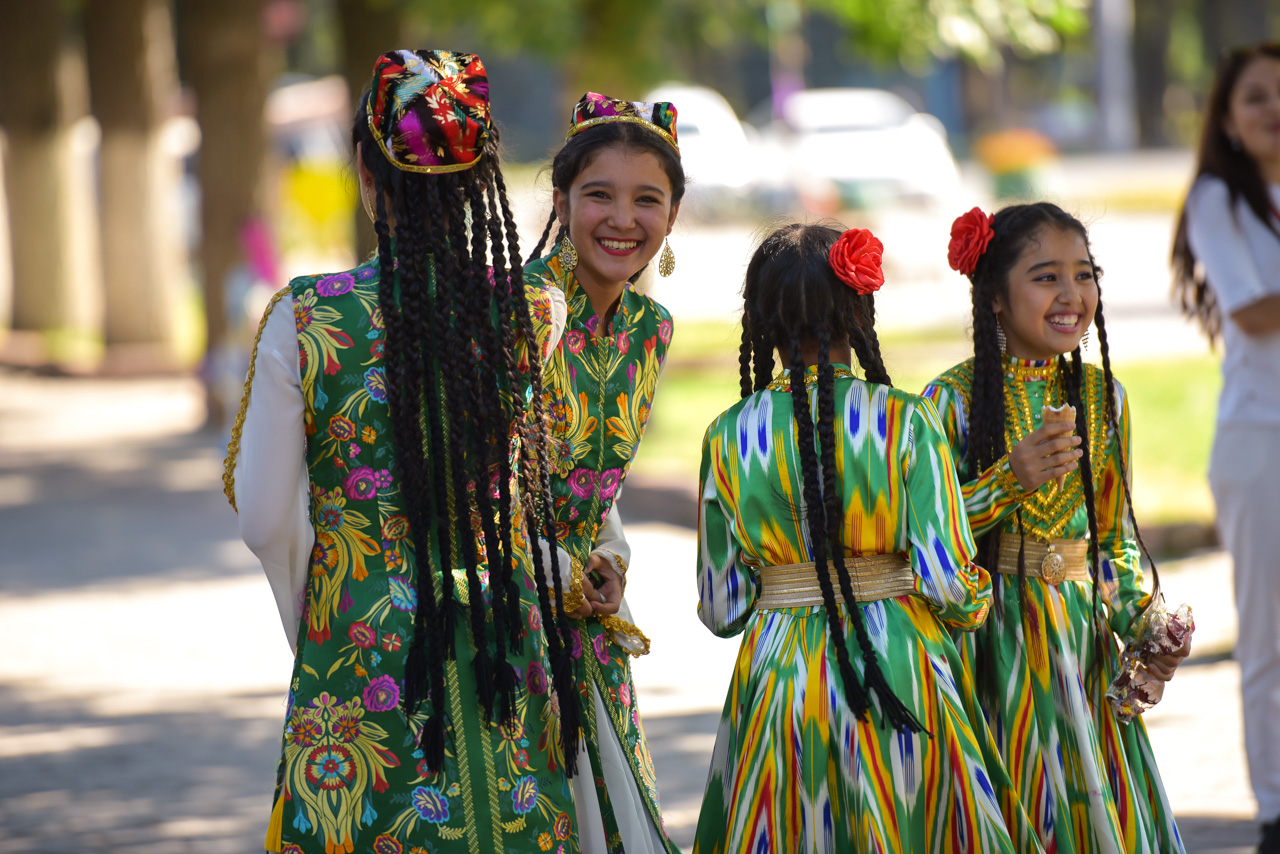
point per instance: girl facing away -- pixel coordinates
(1049, 503)
(429, 651)
(617, 185)
(832, 535)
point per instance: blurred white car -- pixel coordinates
(864, 148)
(715, 148)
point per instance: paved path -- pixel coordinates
(143, 670)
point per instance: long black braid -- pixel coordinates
(452, 325)
(792, 298)
(1013, 228)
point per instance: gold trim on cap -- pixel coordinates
(599, 120)
(409, 167)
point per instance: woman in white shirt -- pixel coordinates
(1226, 260)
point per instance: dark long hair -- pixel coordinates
(1014, 227)
(458, 327)
(581, 148)
(1219, 157)
(791, 297)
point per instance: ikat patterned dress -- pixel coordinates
(793, 769)
(599, 390)
(1088, 782)
(351, 776)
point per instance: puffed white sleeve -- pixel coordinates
(271, 468)
(559, 318)
(1220, 244)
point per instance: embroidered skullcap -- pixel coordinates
(595, 109)
(429, 109)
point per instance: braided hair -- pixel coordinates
(792, 298)
(1013, 228)
(581, 149)
(1219, 157)
(458, 329)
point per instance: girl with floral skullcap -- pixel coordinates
(617, 185)
(381, 467)
(1041, 440)
(831, 534)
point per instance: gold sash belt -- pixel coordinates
(1055, 561)
(874, 577)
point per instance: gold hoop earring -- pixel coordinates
(568, 254)
(667, 260)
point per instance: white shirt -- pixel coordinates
(271, 469)
(1241, 260)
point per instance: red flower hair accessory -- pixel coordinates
(970, 234)
(856, 259)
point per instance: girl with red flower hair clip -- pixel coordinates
(831, 534)
(1042, 445)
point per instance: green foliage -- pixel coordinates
(916, 32)
(624, 45)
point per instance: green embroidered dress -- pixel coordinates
(1088, 782)
(599, 390)
(350, 776)
(793, 769)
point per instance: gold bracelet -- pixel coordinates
(619, 626)
(573, 598)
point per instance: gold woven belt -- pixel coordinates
(1055, 561)
(874, 577)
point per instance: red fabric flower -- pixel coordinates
(970, 234)
(856, 260)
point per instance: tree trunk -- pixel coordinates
(370, 28)
(47, 181)
(1152, 23)
(132, 83)
(228, 62)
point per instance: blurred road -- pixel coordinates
(143, 670)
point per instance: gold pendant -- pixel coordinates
(568, 254)
(1051, 568)
(666, 261)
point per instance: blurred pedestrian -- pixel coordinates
(843, 729)
(377, 474)
(617, 186)
(1226, 260)
(1047, 494)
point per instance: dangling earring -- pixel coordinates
(667, 260)
(1084, 339)
(1000, 339)
(568, 254)
(368, 206)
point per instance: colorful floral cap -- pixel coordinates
(594, 109)
(429, 109)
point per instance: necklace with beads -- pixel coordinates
(782, 382)
(1048, 511)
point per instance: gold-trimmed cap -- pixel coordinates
(596, 109)
(428, 110)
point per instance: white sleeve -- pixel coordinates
(559, 318)
(271, 469)
(1220, 245)
(611, 542)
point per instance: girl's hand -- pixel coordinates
(1045, 454)
(607, 598)
(1162, 666)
